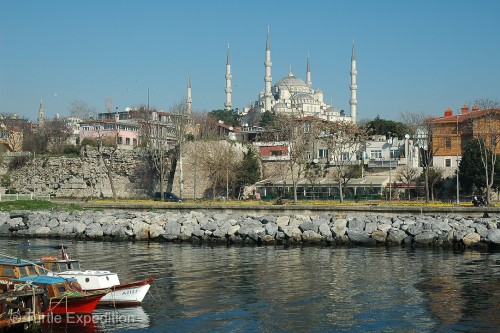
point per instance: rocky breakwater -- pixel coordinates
(220, 227)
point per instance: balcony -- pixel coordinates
(383, 163)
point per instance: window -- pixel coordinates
(394, 153)
(344, 156)
(308, 155)
(127, 141)
(493, 141)
(134, 141)
(447, 162)
(447, 143)
(307, 127)
(323, 153)
(8, 271)
(275, 153)
(376, 154)
(120, 140)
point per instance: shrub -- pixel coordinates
(18, 162)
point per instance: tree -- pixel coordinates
(220, 162)
(344, 141)
(267, 118)
(407, 175)
(313, 172)
(229, 117)
(206, 126)
(472, 171)
(425, 138)
(56, 133)
(486, 129)
(436, 176)
(249, 169)
(82, 110)
(299, 134)
(380, 126)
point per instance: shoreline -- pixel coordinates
(301, 226)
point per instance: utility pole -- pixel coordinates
(458, 186)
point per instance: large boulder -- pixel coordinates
(471, 239)
(494, 236)
(426, 237)
(396, 236)
(361, 237)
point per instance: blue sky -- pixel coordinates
(412, 56)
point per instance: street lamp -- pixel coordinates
(389, 141)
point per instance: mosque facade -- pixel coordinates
(292, 95)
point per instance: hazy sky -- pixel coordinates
(412, 56)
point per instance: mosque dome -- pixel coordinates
(290, 81)
(303, 97)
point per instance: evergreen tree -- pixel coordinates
(267, 118)
(382, 127)
(229, 117)
(249, 169)
(471, 170)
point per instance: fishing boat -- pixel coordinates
(121, 294)
(63, 295)
(21, 305)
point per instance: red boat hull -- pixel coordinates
(84, 304)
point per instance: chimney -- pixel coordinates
(465, 109)
(475, 108)
(448, 112)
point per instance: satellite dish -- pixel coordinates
(221, 122)
(230, 128)
(407, 136)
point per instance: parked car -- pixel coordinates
(167, 196)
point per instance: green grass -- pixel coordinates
(36, 205)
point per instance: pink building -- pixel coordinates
(123, 133)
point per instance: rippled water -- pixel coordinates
(300, 289)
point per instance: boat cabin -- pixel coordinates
(16, 271)
(56, 286)
(58, 265)
(15, 268)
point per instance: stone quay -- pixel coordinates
(264, 228)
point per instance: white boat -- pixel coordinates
(131, 293)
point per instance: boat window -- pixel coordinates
(8, 271)
(61, 289)
(54, 267)
(75, 266)
(31, 270)
(62, 267)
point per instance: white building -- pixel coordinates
(293, 95)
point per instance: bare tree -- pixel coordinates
(219, 161)
(56, 133)
(82, 110)
(300, 135)
(344, 141)
(205, 126)
(486, 129)
(407, 175)
(435, 176)
(428, 139)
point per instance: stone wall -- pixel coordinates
(241, 228)
(84, 176)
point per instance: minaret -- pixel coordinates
(189, 100)
(228, 104)
(308, 72)
(353, 101)
(41, 114)
(268, 79)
